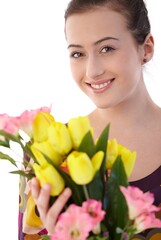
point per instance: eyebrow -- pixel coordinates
(95, 43)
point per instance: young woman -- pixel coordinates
(109, 43)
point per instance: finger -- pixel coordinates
(42, 201)
(35, 188)
(56, 209)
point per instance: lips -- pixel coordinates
(98, 86)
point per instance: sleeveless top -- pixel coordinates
(34, 225)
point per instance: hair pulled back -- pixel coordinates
(134, 11)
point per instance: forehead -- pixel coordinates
(94, 24)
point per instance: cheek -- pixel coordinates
(77, 72)
(127, 67)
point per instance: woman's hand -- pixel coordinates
(41, 197)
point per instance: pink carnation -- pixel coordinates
(146, 221)
(9, 124)
(12, 125)
(141, 208)
(138, 202)
(94, 209)
(72, 224)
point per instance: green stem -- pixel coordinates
(85, 192)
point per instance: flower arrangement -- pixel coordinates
(103, 205)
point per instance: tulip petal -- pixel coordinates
(97, 160)
(46, 149)
(40, 125)
(78, 127)
(49, 174)
(80, 167)
(59, 137)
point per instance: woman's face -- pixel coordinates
(105, 60)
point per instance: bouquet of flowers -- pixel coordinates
(103, 205)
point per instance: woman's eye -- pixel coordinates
(107, 49)
(75, 54)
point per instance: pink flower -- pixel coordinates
(146, 221)
(94, 209)
(27, 117)
(12, 125)
(9, 124)
(141, 208)
(3, 119)
(74, 224)
(138, 202)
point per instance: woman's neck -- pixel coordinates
(135, 113)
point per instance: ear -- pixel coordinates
(148, 48)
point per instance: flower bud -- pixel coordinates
(78, 127)
(46, 148)
(48, 174)
(128, 157)
(40, 125)
(81, 168)
(59, 138)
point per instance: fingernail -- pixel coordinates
(34, 181)
(67, 192)
(47, 186)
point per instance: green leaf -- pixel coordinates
(87, 145)
(23, 173)
(117, 211)
(96, 187)
(102, 146)
(10, 137)
(45, 237)
(4, 156)
(102, 140)
(4, 143)
(118, 174)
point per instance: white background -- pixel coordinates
(34, 72)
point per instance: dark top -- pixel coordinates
(151, 183)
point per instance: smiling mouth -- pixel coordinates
(102, 85)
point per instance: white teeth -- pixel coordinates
(99, 86)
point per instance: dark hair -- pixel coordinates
(135, 12)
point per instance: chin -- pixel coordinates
(102, 105)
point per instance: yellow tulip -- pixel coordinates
(81, 168)
(40, 125)
(97, 160)
(112, 153)
(48, 174)
(128, 158)
(78, 127)
(114, 150)
(47, 149)
(32, 219)
(59, 137)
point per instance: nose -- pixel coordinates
(94, 67)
